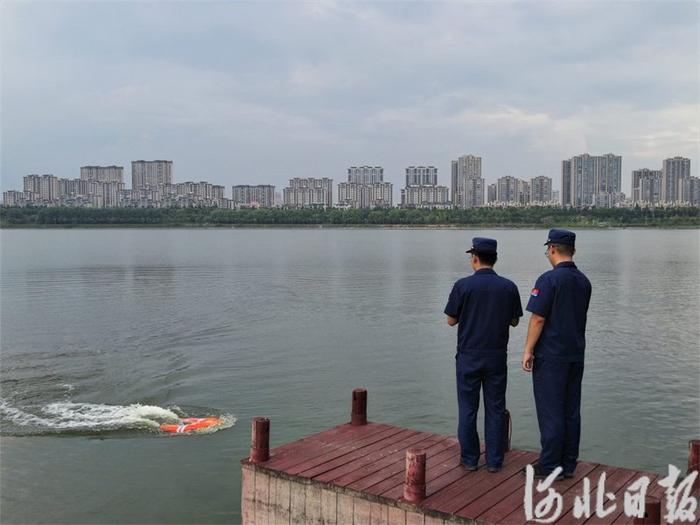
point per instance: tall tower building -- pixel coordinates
(646, 186)
(422, 190)
(102, 173)
(467, 184)
(675, 174)
(588, 179)
(308, 193)
(365, 188)
(151, 173)
(541, 190)
(260, 196)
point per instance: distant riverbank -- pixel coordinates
(534, 217)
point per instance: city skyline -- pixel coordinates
(233, 100)
(588, 180)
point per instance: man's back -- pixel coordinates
(562, 296)
(485, 304)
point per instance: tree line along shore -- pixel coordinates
(678, 217)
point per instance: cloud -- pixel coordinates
(267, 91)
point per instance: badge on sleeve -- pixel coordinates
(535, 292)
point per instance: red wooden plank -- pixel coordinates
(327, 470)
(619, 498)
(470, 488)
(325, 437)
(321, 457)
(511, 507)
(615, 480)
(393, 467)
(381, 460)
(437, 462)
(321, 451)
(507, 485)
(655, 490)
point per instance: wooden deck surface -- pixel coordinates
(370, 459)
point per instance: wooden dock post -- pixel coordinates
(414, 484)
(359, 407)
(652, 512)
(260, 440)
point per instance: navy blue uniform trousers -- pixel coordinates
(557, 387)
(473, 373)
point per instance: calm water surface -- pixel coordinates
(284, 323)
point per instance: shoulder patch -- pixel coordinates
(535, 292)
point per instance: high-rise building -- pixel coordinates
(587, 179)
(506, 190)
(646, 186)
(512, 191)
(467, 184)
(260, 196)
(102, 173)
(694, 191)
(365, 174)
(675, 173)
(308, 192)
(540, 190)
(421, 176)
(151, 173)
(41, 188)
(365, 188)
(492, 193)
(422, 190)
(522, 192)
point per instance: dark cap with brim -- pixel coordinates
(557, 236)
(483, 245)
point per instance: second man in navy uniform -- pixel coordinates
(554, 352)
(484, 305)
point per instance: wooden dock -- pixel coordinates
(365, 473)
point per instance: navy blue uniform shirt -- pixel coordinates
(561, 296)
(485, 304)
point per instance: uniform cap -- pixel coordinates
(483, 245)
(561, 237)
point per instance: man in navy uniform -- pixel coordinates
(554, 352)
(484, 305)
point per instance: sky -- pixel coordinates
(260, 92)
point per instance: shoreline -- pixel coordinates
(254, 226)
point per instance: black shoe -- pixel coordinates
(493, 470)
(539, 474)
(470, 468)
(569, 475)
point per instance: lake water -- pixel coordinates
(284, 323)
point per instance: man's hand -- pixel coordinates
(528, 358)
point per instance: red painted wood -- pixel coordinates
(655, 490)
(379, 461)
(320, 450)
(340, 450)
(329, 470)
(510, 509)
(619, 492)
(371, 459)
(511, 479)
(468, 488)
(414, 484)
(440, 455)
(358, 415)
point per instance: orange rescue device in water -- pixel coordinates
(189, 424)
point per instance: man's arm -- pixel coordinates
(451, 321)
(534, 330)
(515, 322)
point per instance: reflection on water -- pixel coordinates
(284, 323)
